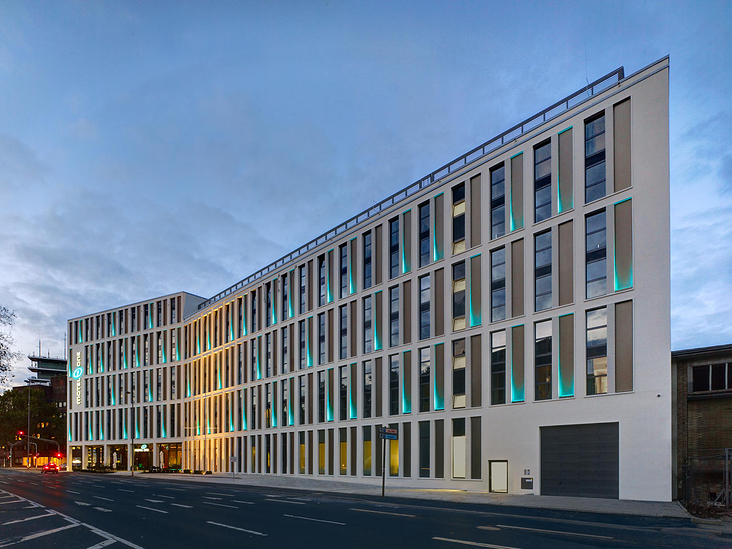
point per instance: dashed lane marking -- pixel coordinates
(382, 512)
(40, 535)
(474, 543)
(151, 509)
(219, 504)
(181, 505)
(316, 520)
(102, 544)
(236, 528)
(540, 530)
(27, 519)
(244, 502)
(103, 510)
(285, 501)
(105, 499)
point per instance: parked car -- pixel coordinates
(50, 468)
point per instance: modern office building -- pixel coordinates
(507, 315)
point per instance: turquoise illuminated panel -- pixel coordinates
(165, 355)
(352, 408)
(177, 348)
(198, 342)
(137, 351)
(376, 323)
(307, 342)
(231, 322)
(101, 430)
(406, 393)
(244, 411)
(623, 249)
(274, 302)
(290, 411)
(137, 428)
(259, 364)
(328, 389)
(290, 308)
(244, 318)
(150, 316)
(476, 316)
(274, 407)
(351, 280)
(114, 327)
(101, 363)
(439, 389)
(328, 260)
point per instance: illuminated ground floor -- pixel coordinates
(147, 456)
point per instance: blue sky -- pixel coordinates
(147, 148)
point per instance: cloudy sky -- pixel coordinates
(147, 148)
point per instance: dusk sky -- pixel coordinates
(152, 147)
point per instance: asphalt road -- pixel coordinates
(85, 510)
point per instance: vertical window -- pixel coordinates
(424, 234)
(394, 248)
(394, 316)
(393, 385)
(285, 297)
(543, 270)
(253, 347)
(268, 355)
(303, 350)
(367, 389)
(498, 285)
(424, 449)
(367, 260)
(458, 447)
(302, 399)
(254, 408)
(596, 254)
(543, 360)
(321, 280)
(595, 158)
(285, 350)
(343, 331)
(303, 289)
(254, 310)
(498, 201)
(367, 450)
(458, 296)
(424, 307)
(367, 331)
(285, 395)
(321, 396)
(597, 351)
(424, 379)
(343, 397)
(458, 219)
(498, 367)
(458, 373)
(321, 338)
(268, 304)
(343, 255)
(268, 405)
(543, 182)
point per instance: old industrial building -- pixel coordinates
(507, 314)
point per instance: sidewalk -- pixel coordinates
(587, 505)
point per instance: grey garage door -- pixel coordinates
(580, 460)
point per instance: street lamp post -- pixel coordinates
(27, 433)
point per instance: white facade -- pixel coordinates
(219, 372)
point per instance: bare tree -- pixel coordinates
(7, 355)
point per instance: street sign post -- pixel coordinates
(232, 460)
(385, 434)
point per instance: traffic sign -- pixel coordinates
(232, 459)
(388, 434)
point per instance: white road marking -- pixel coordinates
(102, 544)
(14, 501)
(316, 520)
(219, 504)
(181, 505)
(245, 502)
(176, 489)
(154, 500)
(162, 496)
(551, 531)
(285, 501)
(382, 512)
(103, 509)
(209, 497)
(105, 499)
(40, 534)
(236, 528)
(475, 543)
(82, 503)
(219, 494)
(123, 490)
(151, 509)
(27, 519)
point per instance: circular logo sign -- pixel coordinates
(77, 373)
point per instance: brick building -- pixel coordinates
(702, 410)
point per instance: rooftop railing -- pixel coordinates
(458, 164)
